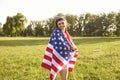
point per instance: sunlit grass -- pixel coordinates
(20, 59)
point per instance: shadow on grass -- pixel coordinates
(80, 40)
(93, 40)
(23, 42)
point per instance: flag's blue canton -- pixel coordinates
(60, 44)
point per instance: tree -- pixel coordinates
(20, 21)
(14, 25)
(60, 14)
(118, 24)
(79, 25)
(38, 28)
(72, 21)
(29, 31)
(1, 30)
(8, 26)
(0, 27)
(51, 25)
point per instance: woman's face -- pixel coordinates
(61, 24)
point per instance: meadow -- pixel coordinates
(21, 57)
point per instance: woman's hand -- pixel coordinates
(73, 47)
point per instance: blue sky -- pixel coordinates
(44, 9)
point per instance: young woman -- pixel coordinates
(61, 52)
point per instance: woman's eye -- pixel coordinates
(59, 24)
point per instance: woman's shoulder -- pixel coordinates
(56, 30)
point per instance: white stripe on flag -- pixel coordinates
(48, 54)
(59, 56)
(46, 62)
(57, 65)
(73, 59)
(71, 65)
(53, 73)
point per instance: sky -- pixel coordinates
(44, 9)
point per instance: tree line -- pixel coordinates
(78, 25)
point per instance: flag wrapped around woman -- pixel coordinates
(59, 53)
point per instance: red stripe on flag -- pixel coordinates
(54, 68)
(57, 60)
(46, 66)
(70, 69)
(76, 55)
(72, 62)
(51, 76)
(47, 58)
(49, 50)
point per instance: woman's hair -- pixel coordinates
(59, 18)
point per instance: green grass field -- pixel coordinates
(20, 59)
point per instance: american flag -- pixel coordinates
(59, 53)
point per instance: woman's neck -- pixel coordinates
(63, 30)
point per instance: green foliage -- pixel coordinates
(28, 31)
(82, 25)
(71, 19)
(20, 59)
(1, 30)
(14, 25)
(51, 24)
(60, 14)
(78, 25)
(118, 24)
(39, 30)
